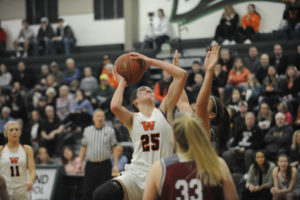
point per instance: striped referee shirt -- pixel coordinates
(99, 142)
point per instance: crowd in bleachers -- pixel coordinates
(261, 92)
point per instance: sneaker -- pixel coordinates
(232, 42)
(213, 42)
(18, 55)
(226, 42)
(248, 41)
(24, 55)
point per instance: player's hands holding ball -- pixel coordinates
(29, 185)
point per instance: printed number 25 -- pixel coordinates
(154, 142)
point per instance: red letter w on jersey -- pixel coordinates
(148, 125)
(14, 160)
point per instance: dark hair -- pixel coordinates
(221, 124)
(254, 9)
(288, 169)
(63, 159)
(196, 62)
(266, 164)
(60, 20)
(162, 11)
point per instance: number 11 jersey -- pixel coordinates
(13, 167)
(152, 139)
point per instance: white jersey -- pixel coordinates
(13, 167)
(152, 139)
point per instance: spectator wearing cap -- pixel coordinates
(63, 102)
(64, 36)
(102, 95)
(45, 35)
(246, 140)
(71, 73)
(278, 138)
(56, 72)
(88, 83)
(25, 38)
(109, 71)
(2, 40)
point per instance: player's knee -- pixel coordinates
(112, 189)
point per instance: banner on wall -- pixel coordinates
(186, 11)
(44, 184)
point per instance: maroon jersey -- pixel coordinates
(179, 181)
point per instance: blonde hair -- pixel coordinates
(294, 142)
(283, 105)
(8, 124)
(194, 142)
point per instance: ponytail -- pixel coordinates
(194, 142)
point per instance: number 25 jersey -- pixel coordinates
(13, 167)
(152, 138)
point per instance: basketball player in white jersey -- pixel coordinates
(15, 159)
(149, 128)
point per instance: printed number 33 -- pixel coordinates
(154, 137)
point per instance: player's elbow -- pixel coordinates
(114, 108)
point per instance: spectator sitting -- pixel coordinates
(197, 86)
(88, 83)
(251, 61)
(161, 28)
(161, 87)
(295, 150)
(18, 105)
(283, 108)
(250, 25)
(196, 68)
(252, 91)
(278, 138)
(70, 161)
(44, 74)
(227, 27)
(122, 159)
(239, 117)
(50, 128)
(237, 77)
(51, 83)
(291, 15)
(269, 87)
(63, 102)
(26, 37)
(226, 60)
(81, 104)
(219, 81)
(64, 36)
(71, 73)
(42, 157)
(264, 117)
(5, 117)
(41, 105)
(45, 35)
(33, 128)
(2, 40)
(56, 73)
(259, 181)
(5, 77)
(262, 69)
(74, 86)
(233, 102)
(51, 96)
(106, 60)
(102, 95)
(246, 141)
(23, 76)
(286, 180)
(279, 60)
(108, 69)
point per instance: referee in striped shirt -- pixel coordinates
(98, 143)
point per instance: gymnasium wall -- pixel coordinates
(79, 14)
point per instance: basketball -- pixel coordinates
(131, 69)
